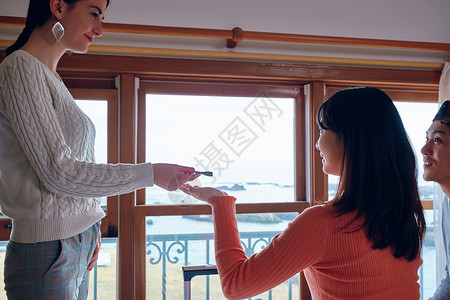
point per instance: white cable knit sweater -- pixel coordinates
(48, 178)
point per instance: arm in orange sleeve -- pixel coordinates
(299, 246)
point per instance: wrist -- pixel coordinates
(216, 200)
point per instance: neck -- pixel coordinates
(42, 45)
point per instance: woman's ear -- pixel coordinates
(56, 8)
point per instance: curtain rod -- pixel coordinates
(237, 34)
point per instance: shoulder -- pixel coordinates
(16, 62)
(21, 69)
(22, 60)
(17, 56)
(313, 224)
(315, 216)
(318, 211)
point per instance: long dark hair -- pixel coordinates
(38, 14)
(378, 176)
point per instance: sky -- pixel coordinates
(237, 128)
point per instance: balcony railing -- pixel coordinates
(197, 249)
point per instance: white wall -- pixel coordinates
(410, 20)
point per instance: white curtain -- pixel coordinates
(444, 94)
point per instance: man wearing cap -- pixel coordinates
(436, 158)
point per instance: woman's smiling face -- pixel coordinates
(82, 23)
(436, 154)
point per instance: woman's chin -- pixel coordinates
(328, 171)
(80, 50)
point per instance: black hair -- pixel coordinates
(38, 14)
(378, 178)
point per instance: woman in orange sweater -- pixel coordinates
(364, 243)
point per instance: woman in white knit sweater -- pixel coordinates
(49, 181)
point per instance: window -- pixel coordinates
(245, 135)
(248, 144)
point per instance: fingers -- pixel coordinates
(192, 191)
(202, 193)
(94, 256)
(189, 172)
(188, 189)
(179, 180)
(191, 177)
(170, 176)
(185, 170)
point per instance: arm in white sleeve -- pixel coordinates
(25, 100)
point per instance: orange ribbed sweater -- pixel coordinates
(338, 264)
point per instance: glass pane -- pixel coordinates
(248, 143)
(417, 118)
(97, 111)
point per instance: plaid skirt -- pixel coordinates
(50, 270)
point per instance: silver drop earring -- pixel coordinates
(58, 31)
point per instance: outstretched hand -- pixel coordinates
(170, 176)
(202, 193)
